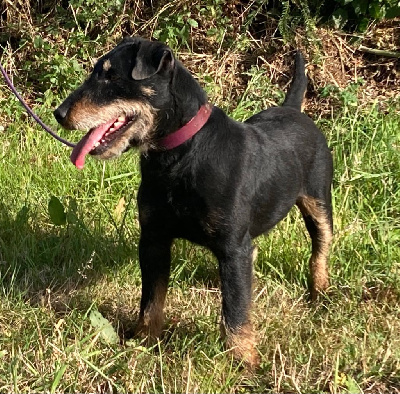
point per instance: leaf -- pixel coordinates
(363, 25)
(119, 209)
(192, 22)
(393, 12)
(340, 17)
(105, 328)
(360, 7)
(56, 211)
(352, 386)
(377, 10)
(38, 42)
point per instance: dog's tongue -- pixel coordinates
(87, 143)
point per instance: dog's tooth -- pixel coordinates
(111, 129)
(121, 119)
(97, 144)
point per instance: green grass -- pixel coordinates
(53, 277)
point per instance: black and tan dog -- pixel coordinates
(205, 177)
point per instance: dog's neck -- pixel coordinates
(185, 113)
(188, 130)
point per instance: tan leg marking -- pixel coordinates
(242, 343)
(151, 324)
(310, 206)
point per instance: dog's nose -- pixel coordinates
(60, 113)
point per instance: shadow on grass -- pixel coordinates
(36, 259)
(66, 267)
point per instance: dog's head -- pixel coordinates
(127, 100)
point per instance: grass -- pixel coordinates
(52, 278)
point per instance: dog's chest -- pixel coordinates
(195, 212)
(182, 210)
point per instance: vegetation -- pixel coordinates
(69, 276)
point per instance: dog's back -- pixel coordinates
(287, 126)
(293, 143)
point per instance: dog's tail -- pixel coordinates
(295, 95)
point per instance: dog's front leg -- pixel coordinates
(235, 265)
(155, 261)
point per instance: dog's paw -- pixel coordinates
(242, 343)
(148, 329)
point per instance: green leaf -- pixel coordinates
(212, 32)
(393, 11)
(38, 42)
(363, 25)
(352, 386)
(105, 328)
(192, 22)
(377, 10)
(344, 2)
(340, 18)
(360, 7)
(56, 211)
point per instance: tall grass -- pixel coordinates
(53, 277)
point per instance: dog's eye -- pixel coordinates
(111, 76)
(107, 76)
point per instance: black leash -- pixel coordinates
(30, 112)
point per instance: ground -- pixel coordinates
(56, 275)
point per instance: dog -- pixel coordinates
(207, 178)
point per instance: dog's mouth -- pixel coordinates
(99, 139)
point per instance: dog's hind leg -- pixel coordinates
(155, 261)
(317, 214)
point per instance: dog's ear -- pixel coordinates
(167, 62)
(127, 39)
(152, 60)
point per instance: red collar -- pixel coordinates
(188, 130)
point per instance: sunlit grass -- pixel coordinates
(52, 277)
